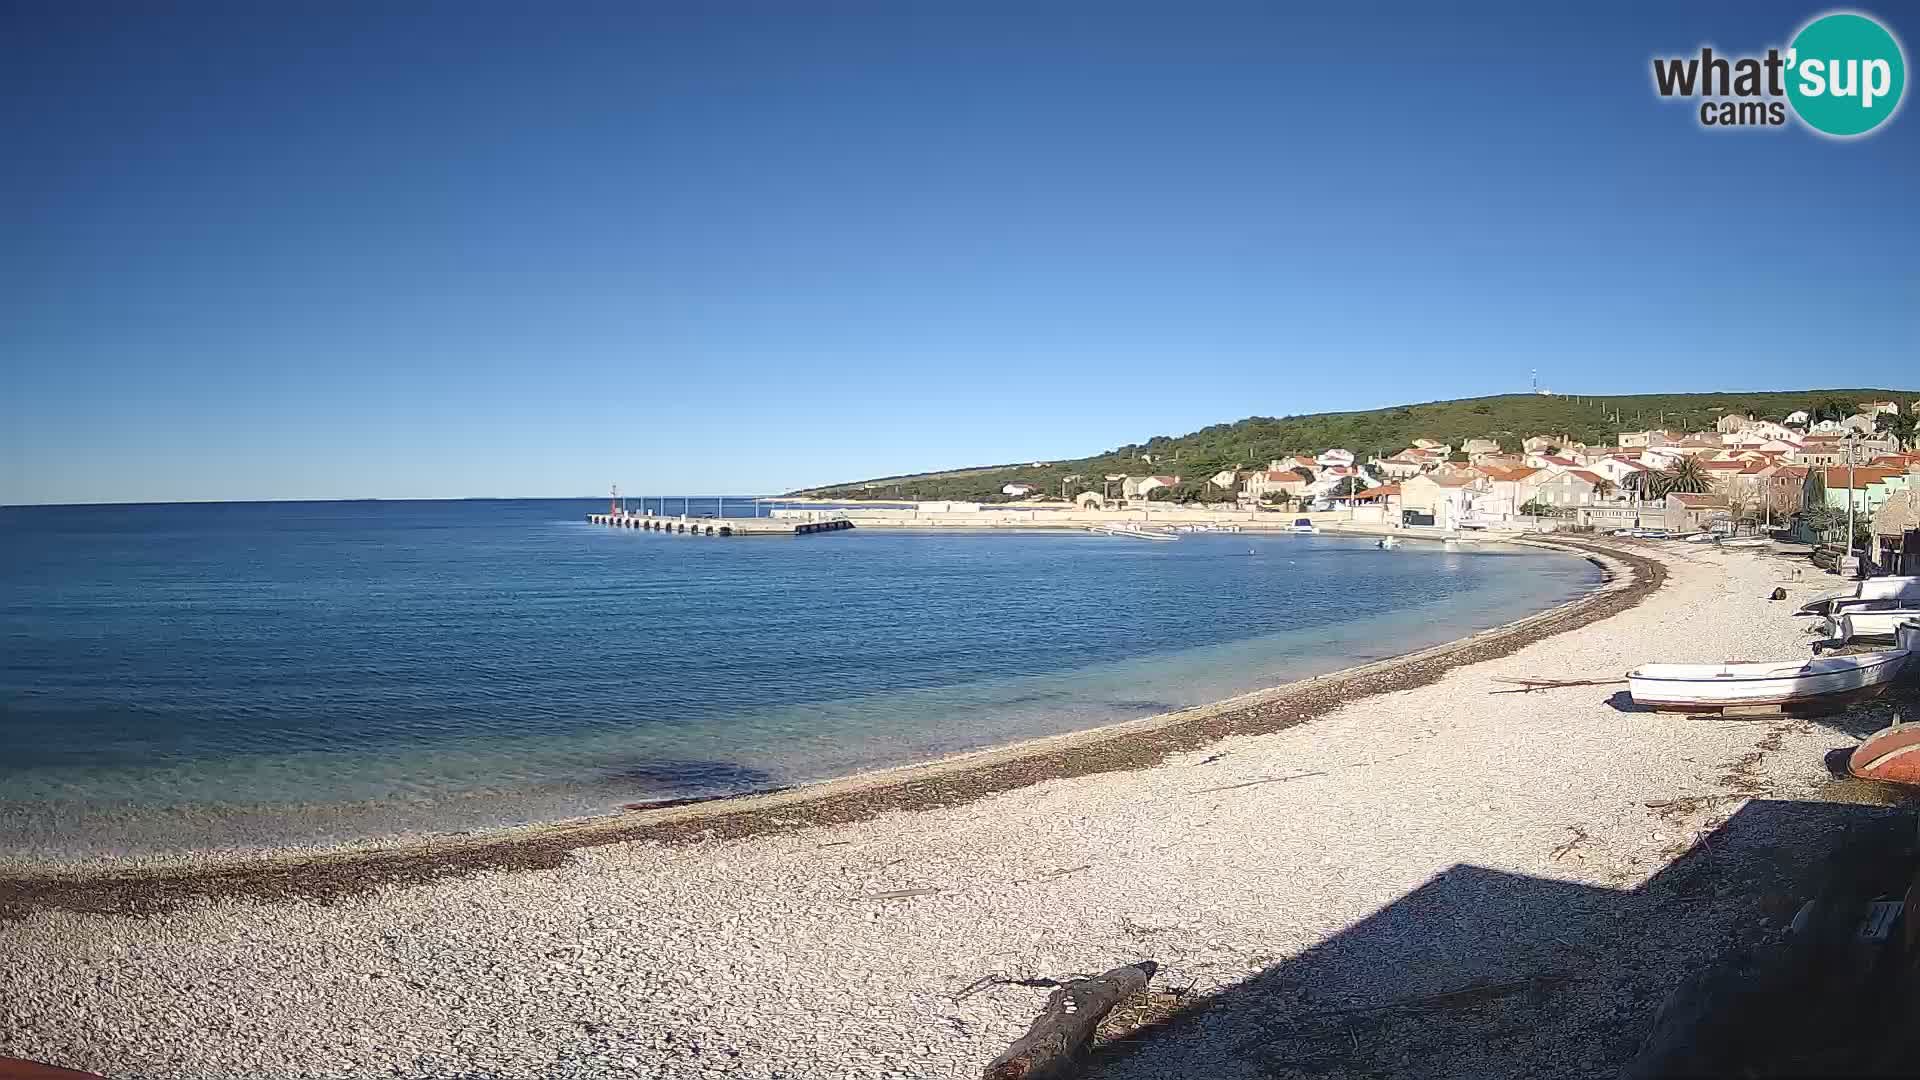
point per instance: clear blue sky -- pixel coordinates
(537, 249)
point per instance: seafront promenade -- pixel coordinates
(1298, 862)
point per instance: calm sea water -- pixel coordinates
(237, 675)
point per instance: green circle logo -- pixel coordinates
(1845, 74)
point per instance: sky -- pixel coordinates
(412, 250)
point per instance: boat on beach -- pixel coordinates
(1849, 623)
(1880, 588)
(1891, 755)
(1819, 684)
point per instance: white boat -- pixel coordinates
(1134, 531)
(1907, 636)
(1303, 525)
(1388, 543)
(1850, 623)
(1746, 542)
(1879, 588)
(1791, 686)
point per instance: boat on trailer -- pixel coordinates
(1818, 685)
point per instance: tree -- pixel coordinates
(1160, 494)
(1352, 485)
(1684, 477)
(1833, 408)
(1536, 508)
(1902, 427)
(1604, 489)
(1277, 498)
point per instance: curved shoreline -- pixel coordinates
(328, 875)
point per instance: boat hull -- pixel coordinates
(1891, 754)
(1816, 687)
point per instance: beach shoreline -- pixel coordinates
(1559, 855)
(157, 884)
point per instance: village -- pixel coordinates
(1797, 478)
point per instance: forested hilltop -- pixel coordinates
(1253, 442)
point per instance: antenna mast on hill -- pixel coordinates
(1536, 380)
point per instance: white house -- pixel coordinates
(1889, 407)
(1798, 416)
(1450, 499)
(1018, 491)
(1409, 462)
(1225, 479)
(1274, 482)
(1137, 487)
(1573, 487)
(1863, 423)
(1334, 458)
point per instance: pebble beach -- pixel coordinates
(1452, 878)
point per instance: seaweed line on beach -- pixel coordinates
(330, 876)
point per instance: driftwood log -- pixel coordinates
(1055, 1046)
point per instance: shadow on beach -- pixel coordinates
(1479, 972)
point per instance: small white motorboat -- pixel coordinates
(1907, 636)
(1388, 543)
(1879, 588)
(1822, 683)
(1849, 623)
(1303, 525)
(1133, 531)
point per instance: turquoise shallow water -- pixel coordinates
(238, 675)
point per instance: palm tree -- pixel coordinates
(1604, 489)
(1684, 477)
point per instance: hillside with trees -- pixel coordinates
(1253, 442)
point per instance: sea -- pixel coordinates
(234, 677)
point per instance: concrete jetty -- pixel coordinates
(799, 525)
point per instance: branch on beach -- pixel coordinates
(1055, 1046)
(901, 894)
(1253, 783)
(1579, 837)
(1528, 686)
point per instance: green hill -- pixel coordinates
(1256, 440)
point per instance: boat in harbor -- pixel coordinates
(1388, 543)
(1134, 531)
(1810, 686)
(1303, 525)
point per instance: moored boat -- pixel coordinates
(1136, 532)
(1815, 685)
(1303, 525)
(1388, 543)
